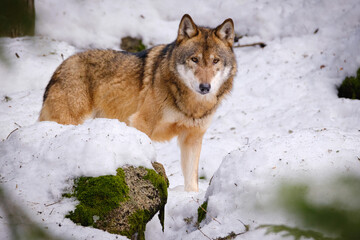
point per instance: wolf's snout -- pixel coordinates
(204, 88)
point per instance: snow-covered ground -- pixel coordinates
(283, 121)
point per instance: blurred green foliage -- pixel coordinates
(337, 218)
(350, 87)
(294, 232)
(20, 225)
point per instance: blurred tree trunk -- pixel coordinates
(17, 18)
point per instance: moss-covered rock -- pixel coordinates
(121, 204)
(98, 196)
(350, 87)
(161, 183)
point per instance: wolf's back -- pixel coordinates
(95, 83)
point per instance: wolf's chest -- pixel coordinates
(173, 123)
(170, 123)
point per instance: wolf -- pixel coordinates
(166, 91)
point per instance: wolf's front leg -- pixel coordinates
(190, 145)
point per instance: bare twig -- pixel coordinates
(12, 133)
(204, 233)
(48, 205)
(13, 130)
(261, 44)
(233, 235)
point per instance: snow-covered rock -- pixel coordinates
(39, 162)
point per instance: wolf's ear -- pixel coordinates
(187, 28)
(226, 31)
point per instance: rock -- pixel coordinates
(141, 193)
(159, 168)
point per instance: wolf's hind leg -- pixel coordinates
(65, 110)
(67, 102)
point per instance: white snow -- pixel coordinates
(284, 105)
(244, 184)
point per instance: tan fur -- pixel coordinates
(147, 91)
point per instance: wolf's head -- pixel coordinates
(204, 57)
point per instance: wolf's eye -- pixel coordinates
(195, 59)
(216, 60)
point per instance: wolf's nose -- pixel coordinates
(204, 88)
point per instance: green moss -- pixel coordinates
(161, 184)
(139, 219)
(140, 47)
(137, 223)
(202, 212)
(98, 196)
(67, 195)
(350, 87)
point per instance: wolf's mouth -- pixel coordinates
(203, 93)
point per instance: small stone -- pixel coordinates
(131, 44)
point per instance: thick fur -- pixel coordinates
(156, 91)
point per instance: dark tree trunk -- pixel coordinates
(17, 18)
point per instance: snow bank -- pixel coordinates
(243, 189)
(39, 162)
